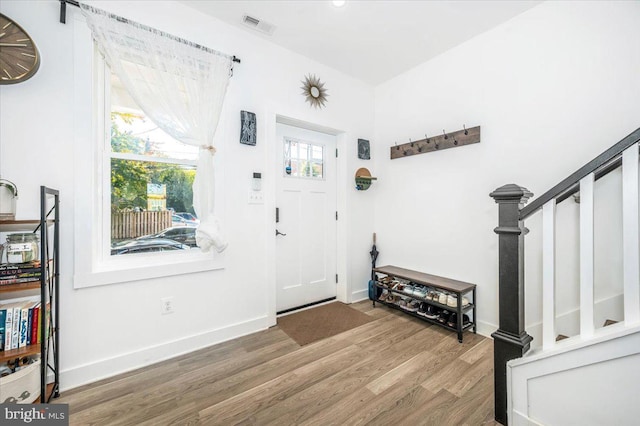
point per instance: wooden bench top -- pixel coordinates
(426, 279)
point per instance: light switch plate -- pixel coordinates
(256, 197)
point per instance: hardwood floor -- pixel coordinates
(394, 370)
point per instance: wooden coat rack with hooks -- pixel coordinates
(436, 142)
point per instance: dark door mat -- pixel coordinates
(321, 322)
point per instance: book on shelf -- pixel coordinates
(23, 273)
(25, 328)
(17, 330)
(3, 315)
(34, 324)
(17, 268)
(20, 280)
(8, 324)
(15, 327)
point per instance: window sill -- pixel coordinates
(127, 268)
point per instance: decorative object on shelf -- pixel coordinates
(437, 143)
(248, 128)
(314, 91)
(364, 150)
(19, 57)
(363, 179)
(22, 247)
(8, 197)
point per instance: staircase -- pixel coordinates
(592, 377)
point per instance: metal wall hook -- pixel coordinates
(411, 142)
(427, 138)
(445, 135)
(466, 132)
(397, 147)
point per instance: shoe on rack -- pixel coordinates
(443, 316)
(408, 290)
(385, 294)
(442, 299)
(402, 303)
(422, 309)
(432, 312)
(452, 301)
(465, 320)
(413, 306)
(420, 292)
(465, 301)
(452, 321)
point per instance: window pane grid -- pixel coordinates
(303, 159)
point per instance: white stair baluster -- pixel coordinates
(630, 235)
(586, 256)
(549, 274)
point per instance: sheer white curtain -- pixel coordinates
(180, 86)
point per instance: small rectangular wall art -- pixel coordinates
(364, 149)
(248, 128)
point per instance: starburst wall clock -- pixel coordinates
(314, 91)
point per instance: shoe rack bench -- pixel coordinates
(457, 288)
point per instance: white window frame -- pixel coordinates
(94, 265)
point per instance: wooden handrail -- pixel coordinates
(602, 165)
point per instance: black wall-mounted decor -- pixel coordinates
(248, 128)
(364, 149)
(437, 142)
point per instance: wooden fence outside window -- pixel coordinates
(125, 225)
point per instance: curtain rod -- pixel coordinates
(63, 20)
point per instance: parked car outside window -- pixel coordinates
(188, 216)
(147, 246)
(182, 234)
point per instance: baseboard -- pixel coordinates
(109, 367)
(360, 295)
(519, 419)
(486, 329)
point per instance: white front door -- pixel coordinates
(306, 214)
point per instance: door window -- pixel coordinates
(303, 159)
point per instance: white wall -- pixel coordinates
(109, 329)
(551, 88)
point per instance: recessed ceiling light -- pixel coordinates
(339, 3)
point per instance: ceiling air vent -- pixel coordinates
(258, 25)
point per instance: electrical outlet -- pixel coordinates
(256, 197)
(166, 305)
